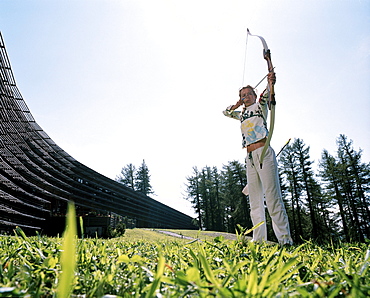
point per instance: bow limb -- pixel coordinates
(271, 102)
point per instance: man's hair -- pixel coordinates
(249, 87)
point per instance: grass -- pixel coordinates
(145, 263)
(68, 255)
(202, 235)
(150, 235)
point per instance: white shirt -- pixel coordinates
(253, 120)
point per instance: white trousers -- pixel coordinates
(263, 185)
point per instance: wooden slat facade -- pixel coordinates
(38, 178)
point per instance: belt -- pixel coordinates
(256, 145)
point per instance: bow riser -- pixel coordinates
(267, 56)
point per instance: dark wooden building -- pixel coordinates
(38, 178)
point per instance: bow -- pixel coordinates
(271, 101)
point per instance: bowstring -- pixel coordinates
(245, 60)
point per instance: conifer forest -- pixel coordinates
(327, 202)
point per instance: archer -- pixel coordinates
(263, 181)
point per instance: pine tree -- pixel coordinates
(136, 179)
(193, 195)
(229, 193)
(218, 210)
(217, 197)
(306, 176)
(210, 199)
(142, 182)
(290, 174)
(356, 185)
(236, 204)
(321, 205)
(127, 176)
(331, 176)
(205, 199)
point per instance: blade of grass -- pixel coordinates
(207, 268)
(253, 228)
(365, 266)
(82, 227)
(68, 255)
(252, 279)
(158, 275)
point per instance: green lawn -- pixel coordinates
(146, 263)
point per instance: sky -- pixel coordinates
(115, 82)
